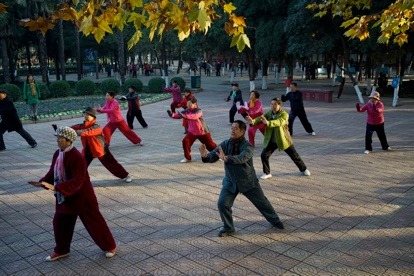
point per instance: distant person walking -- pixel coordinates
(375, 121)
(277, 136)
(240, 177)
(68, 178)
(297, 109)
(134, 108)
(236, 97)
(116, 121)
(10, 121)
(31, 94)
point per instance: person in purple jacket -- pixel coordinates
(375, 121)
(175, 90)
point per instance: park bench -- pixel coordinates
(317, 95)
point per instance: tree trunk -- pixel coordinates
(351, 77)
(28, 58)
(78, 53)
(43, 57)
(61, 50)
(121, 55)
(5, 59)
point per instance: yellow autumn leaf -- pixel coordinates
(229, 8)
(204, 20)
(104, 26)
(99, 34)
(134, 39)
(349, 22)
(3, 8)
(137, 20)
(239, 21)
(135, 3)
(86, 25)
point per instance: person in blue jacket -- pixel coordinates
(240, 177)
(297, 109)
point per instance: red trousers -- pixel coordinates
(110, 127)
(189, 140)
(109, 162)
(95, 224)
(252, 131)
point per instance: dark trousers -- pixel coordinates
(291, 151)
(189, 140)
(109, 162)
(135, 114)
(255, 195)
(26, 136)
(95, 224)
(381, 136)
(303, 119)
(232, 113)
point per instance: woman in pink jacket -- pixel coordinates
(116, 121)
(197, 129)
(375, 121)
(254, 109)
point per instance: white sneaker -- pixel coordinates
(266, 176)
(366, 152)
(111, 253)
(312, 133)
(185, 160)
(306, 172)
(389, 148)
(140, 144)
(128, 179)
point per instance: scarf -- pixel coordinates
(33, 88)
(251, 104)
(59, 173)
(235, 145)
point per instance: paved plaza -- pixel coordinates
(352, 216)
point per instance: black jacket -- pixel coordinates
(10, 120)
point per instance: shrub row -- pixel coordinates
(85, 87)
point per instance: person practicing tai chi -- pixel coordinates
(236, 97)
(297, 109)
(116, 121)
(277, 136)
(134, 108)
(175, 90)
(68, 178)
(94, 146)
(375, 121)
(197, 129)
(239, 177)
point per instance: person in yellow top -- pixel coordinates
(277, 136)
(31, 94)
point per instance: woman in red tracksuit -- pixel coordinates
(197, 129)
(116, 121)
(188, 95)
(94, 145)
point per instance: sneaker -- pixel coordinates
(2, 149)
(110, 253)
(128, 179)
(55, 256)
(367, 151)
(169, 113)
(266, 176)
(140, 144)
(312, 133)
(225, 233)
(34, 146)
(306, 172)
(389, 148)
(278, 224)
(185, 160)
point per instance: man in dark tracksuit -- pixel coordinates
(297, 109)
(240, 177)
(236, 96)
(134, 108)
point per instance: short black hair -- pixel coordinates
(133, 87)
(256, 93)
(193, 100)
(294, 84)
(111, 93)
(242, 125)
(277, 100)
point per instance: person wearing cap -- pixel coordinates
(93, 144)
(277, 136)
(10, 121)
(197, 129)
(175, 90)
(134, 108)
(297, 109)
(68, 178)
(240, 177)
(375, 121)
(236, 97)
(116, 121)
